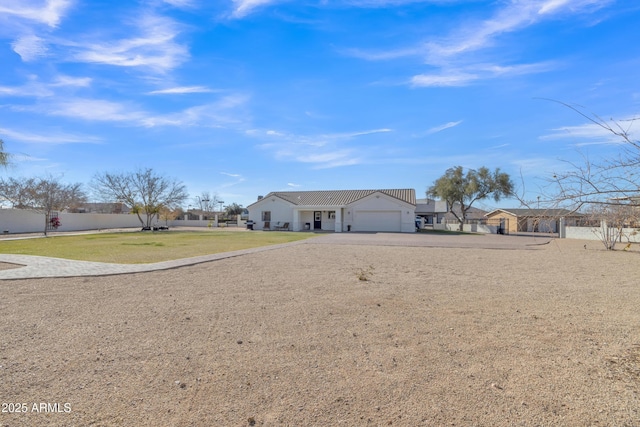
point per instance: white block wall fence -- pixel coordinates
(15, 221)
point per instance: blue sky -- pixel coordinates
(243, 97)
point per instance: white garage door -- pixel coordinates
(377, 221)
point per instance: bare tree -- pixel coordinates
(608, 189)
(144, 190)
(206, 201)
(45, 195)
(167, 214)
(612, 220)
(4, 156)
(18, 192)
(601, 182)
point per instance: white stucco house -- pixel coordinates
(339, 210)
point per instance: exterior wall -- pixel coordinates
(591, 233)
(380, 203)
(76, 222)
(467, 228)
(27, 221)
(21, 221)
(281, 211)
(479, 228)
(306, 217)
(514, 226)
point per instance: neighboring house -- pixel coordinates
(435, 211)
(473, 214)
(542, 220)
(432, 211)
(102, 208)
(339, 210)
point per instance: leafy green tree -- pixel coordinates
(233, 209)
(461, 190)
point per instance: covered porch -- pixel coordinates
(318, 218)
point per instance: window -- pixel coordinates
(332, 214)
(266, 215)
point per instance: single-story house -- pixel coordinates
(541, 220)
(338, 210)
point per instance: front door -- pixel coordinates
(317, 220)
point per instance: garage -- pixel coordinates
(378, 221)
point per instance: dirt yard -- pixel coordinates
(325, 335)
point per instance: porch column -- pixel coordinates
(338, 220)
(296, 221)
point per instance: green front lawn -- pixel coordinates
(145, 247)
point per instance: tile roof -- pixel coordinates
(339, 197)
(538, 212)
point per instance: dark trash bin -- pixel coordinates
(249, 225)
(307, 226)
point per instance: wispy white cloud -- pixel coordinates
(237, 179)
(386, 3)
(33, 88)
(588, 134)
(29, 47)
(469, 74)
(517, 69)
(181, 3)
(243, 8)
(451, 55)
(154, 47)
(443, 79)
(515, 16)
(362, 133)
(293, 185)
(331, 159)
(594, 134)
(39, 89)
(181, 90)
(93, 110)
(444, 126)
(48, 12)
(225, 112)
(52, 137)
(322, 151)
(63, 80)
